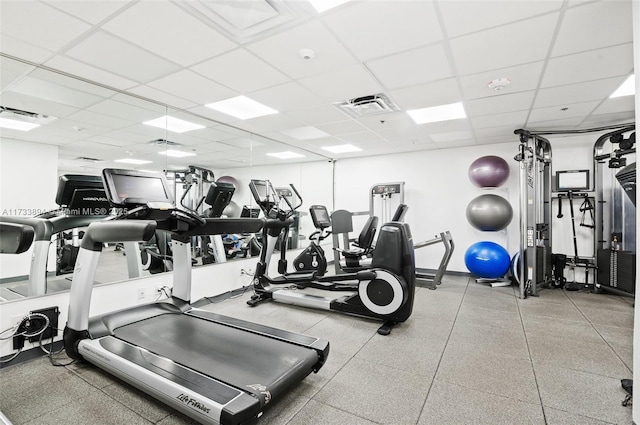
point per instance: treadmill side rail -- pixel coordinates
(175, 392)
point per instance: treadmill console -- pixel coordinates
(320, 216)
(135, 188)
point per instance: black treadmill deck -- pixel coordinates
(247, 361)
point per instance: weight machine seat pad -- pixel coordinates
(236, 357)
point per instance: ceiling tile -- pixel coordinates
(89, 72)
(92, 11)
(46, 90)
(286, 97)
(456, 143)
(451, 136)
(373, 29)
(587, 66)
(47, 27)
(193, 87)
(505, 46)
(171, 33)
(556, 113)
(498, 133)
(507, 102)
(35, 104)
(559, 124)
(20, 49)
(436, 93)
(575, 93)
(283, 51)
(608, 119)
(342, 84)
(319, 115)
(341, 127)
(594, 25)
(275, 122)
(523, 77)
(160, 96)
(462, 17)
(100, 120)
(618, 104)
(12, 71)
(115, 55)
(412, 67)
(122, 110)
(240, 71)
(514, 119)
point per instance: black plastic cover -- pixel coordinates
(15, 238)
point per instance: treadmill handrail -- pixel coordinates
(101, 232)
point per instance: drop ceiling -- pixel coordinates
(563, 60)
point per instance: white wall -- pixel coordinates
(28, 184)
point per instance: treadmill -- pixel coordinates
(215, 369)
(82, 201)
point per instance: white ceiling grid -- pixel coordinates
(563, 58)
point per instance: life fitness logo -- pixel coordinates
(193, 403)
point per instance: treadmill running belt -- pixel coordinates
(241, 359)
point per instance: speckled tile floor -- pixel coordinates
(469, 354)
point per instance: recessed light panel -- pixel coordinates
(342, 148)
(242, 107)
(17, 125)
(627, 88)
(176, 154)
(448, 112)
(286, 155)
(133, 161)
(173, 124)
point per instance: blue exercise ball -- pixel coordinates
(489, 171)
(487, 259)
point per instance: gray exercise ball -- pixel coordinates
(489, 212)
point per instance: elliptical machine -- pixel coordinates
(384, 292)
(313, 258)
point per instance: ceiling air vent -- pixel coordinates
(366, 106)
(25, 116)
(163, 142)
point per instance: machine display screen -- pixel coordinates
(573, 180)
(320, 216)
(131, 187)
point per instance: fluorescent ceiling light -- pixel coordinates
(176, 154)
(448, 112)
(17, 125)
(286, 155)
(322, 5)
(133, 161)
(341, 148)
(305, 133)
(241, 107)
(627, 88)
(173, 124)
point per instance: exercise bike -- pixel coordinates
(313, 258)
(384, 292)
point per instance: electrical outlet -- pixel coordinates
(142, 293)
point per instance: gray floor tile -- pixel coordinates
(552, 310)
(559, 417)
(602, 316)
(314, 382)
(346, 334)
(52, 387)
(501, 301)
(93, 409)
(484, 316)
(413, 356)
(177, 419)
(428, 330)
(457, 405)
(607, 301)
(137, 401)
(91, 374)
(436, 304)
(486, 290)
(496, 374)
(587, 356)
(543, 326)
(317, 413)
(294, 319)
(490, 339)
(377, 393)
(548, 296)
(451, 284)
(281, 412)
(595, 396)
